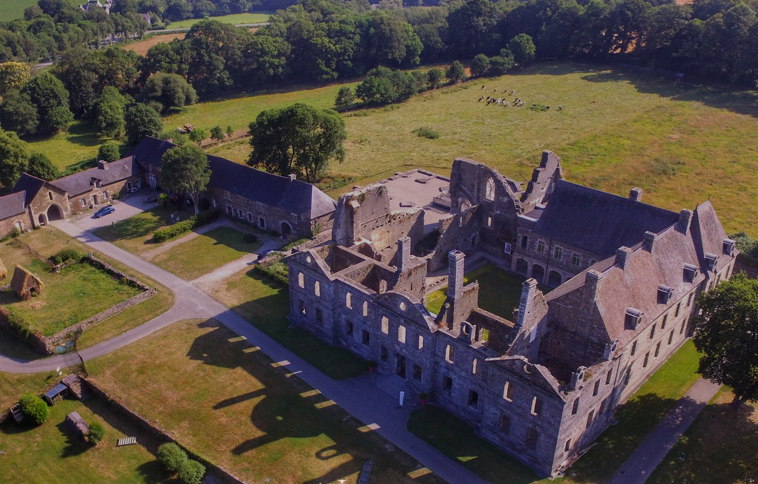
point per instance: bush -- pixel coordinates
(172, 456)
(426, 132)
(345, 97)
(66, 255)
(185, 226)
(455, 73)
(747, 246)
(108, 152)
(191, 472)
(34, 408)
(480, 65)
(293, 244)
(276, 270)
(96, 433)
(250, 238)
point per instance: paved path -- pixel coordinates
(207, 281)
(194, 233)
(360, 396)
(653, 450)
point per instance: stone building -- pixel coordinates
(97, 186)
(543, 384)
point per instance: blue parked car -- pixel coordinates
(105, 211)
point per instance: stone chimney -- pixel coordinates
(649, 241)
(685, 219)
(403, 254)
(577, 378)
(528, 288)
(455, 260)
(622, 256)
(591, 280)
(102, 164)
(635, 194)
(292, 176)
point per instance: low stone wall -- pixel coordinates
(161, 434)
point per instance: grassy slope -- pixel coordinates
(13, 9)
(236, 19)
(636, 419)
(225, 400)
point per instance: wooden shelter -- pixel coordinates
(78, 426)
(25, 284)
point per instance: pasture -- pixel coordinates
(235, 19)
(13, 9)
(142, 46)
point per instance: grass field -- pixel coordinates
(135, 234)
(265, 304)
(13, 9)
(721, 447)
(235, 19)
(142, 46)
(56, 456)
(636, 419)
(225, 400)
(205, 252)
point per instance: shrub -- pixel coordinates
(172, 456)
(34, 408)
(455, 73)
(191, 472)
(96, 433)
(108, 152)
(185, 225)
(345, 97)
(275, 269)
(250, 238)
(426, 132)
(293, 244)
(480, 65)
(747, 246)
(66, 255)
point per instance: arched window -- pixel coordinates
(301, 280)
(489, 189)
(317, 289)
(50, 195)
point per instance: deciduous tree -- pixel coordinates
(41, 167)
(141, 121)
(184, 169)
(14, 158)
(13, 75)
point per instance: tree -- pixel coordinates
(59, 119)
(184, 169)
(217, 133)
(299, 138)
(17, 113)
(345, 97)
(456, 73)
(198, 135)
(141, 121)
(500, 64)
(523, 49)
(108, 152)
(50, 97)
(96, 433)
(191, 472)
(171, 90)
(480, 65)
(34, 408)
(434, 77)
(41, 167)
(109, 113)
(14, 158)
(171, 456)
(229, 131)
(472, 28)
(726, 333)
(13, 75)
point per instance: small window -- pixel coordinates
(385, 325)
(532, 437)
(349, 300)
(657, 349)
(489, 190)
(301, 280)
(365, 337)
(302, 307)
(383, 353)
(671, 336)
(524, 241)
(420, 342)
(567, 447)
(678, 307)
(536, 406)
(663, 323)
(541, 246)
(575, 260)
(450, 354)
(418, 372)
(647, 358)
(382, 286)
(474, 366)
(250, 217)
(652, 332)
(489, 221)
(590, 418)
(689, 299)
(349, 328)
(447, 385)
(365, 308)
(319, 316)
(317, 289)
(504, 424)
(608, 377)
(634, 348)
(82, 202)
(401, 334)
(473, 399)
(508, 391)
(628, 375)
(262, 222)
(684, 325)
(575, 407)
(558, 253)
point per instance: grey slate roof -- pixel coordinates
(82, 182)
(12, 204)
(29, 184)
(294, 196)
(599, 222)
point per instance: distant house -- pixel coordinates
(96, 4)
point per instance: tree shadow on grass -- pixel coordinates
(74, 446)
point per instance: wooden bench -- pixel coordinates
(126, 441)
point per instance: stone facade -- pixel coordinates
(543, 384)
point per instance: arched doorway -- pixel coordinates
(554, 279)
(54, 212)
(286, 229)
(538, 272)
(522, 267)
(42, 219)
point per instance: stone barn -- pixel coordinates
(25, 284)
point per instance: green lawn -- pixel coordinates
(224, 399)
(13, 9)
(636, 419)
(77, 147)
(49, 454)
(265, 304)
(235, 18)
(204, 253)
(499, 291)
(721, 447)
(135, 234)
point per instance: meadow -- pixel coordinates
(615, 130)
(12, 9)
(235, 19)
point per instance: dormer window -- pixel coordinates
(728, 246)
(664, 294)
(710, 260)
(690, 272)
(632, 318)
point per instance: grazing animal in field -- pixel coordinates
(483, 86)
(560, 108)
(480, 99)
(513, 92)
(547, 107)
